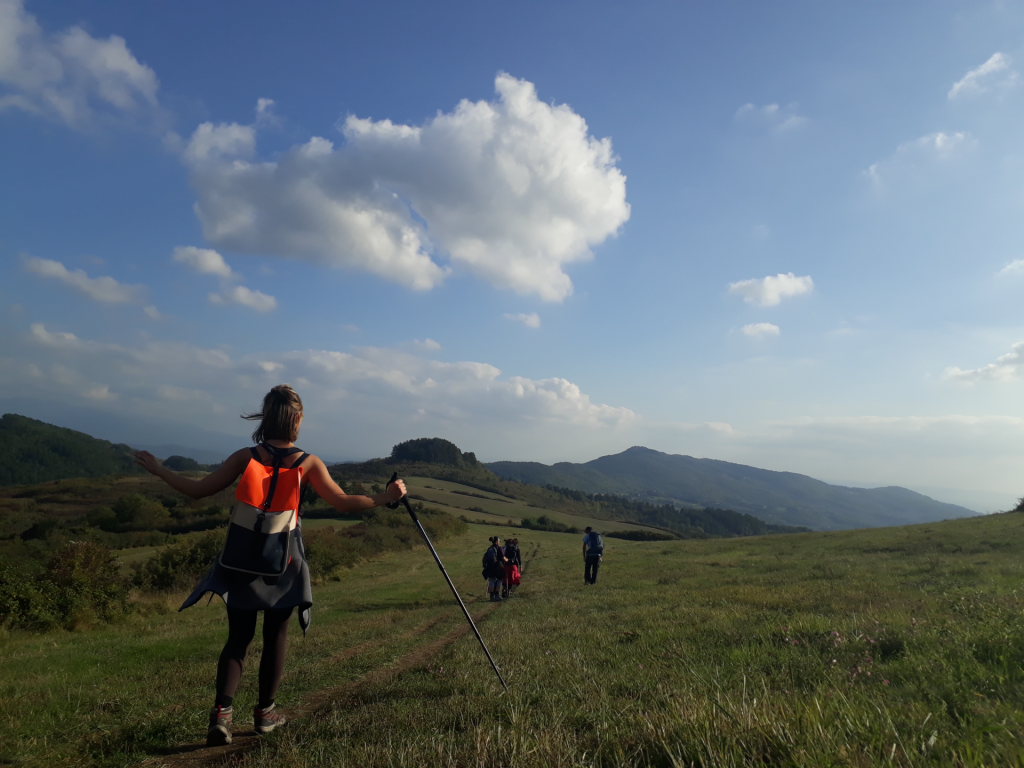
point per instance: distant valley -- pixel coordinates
(784, 498)
(34, 452)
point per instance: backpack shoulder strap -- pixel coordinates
(278, 455)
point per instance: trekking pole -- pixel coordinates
(408, 507)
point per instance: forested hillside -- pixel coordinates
(33, 451)
(695, 522)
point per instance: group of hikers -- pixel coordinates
(502, 568)
(503, 565)
(262, 566)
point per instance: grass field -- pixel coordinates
(460, 499)
(877, 647)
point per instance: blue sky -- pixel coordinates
(784, 234)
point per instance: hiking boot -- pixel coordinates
(219, 732)
(266, 720)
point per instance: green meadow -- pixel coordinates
(461, 500)
(901, 646)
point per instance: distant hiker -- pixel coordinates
(263, 565)
(593, 549)
(513, 567)
(494, 568)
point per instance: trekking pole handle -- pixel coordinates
(404, 500)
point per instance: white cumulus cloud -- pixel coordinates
(1006, 368)
(375, 382)
(214, 142)
(1015, 267)
(247, 297)
(104, 289)
(511, 190)
(203, 260)
(760, 330)
(69, 76)
(978, 79)
(531, 320)
(777, 117)
(924, 151)
(466, 391)
(99, 392)
(771, 290)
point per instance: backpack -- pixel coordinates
(490, 557)
(595, 544)
(493, 567)
(259, 534)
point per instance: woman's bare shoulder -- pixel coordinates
(314, 461)
(239, 458)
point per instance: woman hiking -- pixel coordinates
(513, 567)
(263, 566)
(494, 568)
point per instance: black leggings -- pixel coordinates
(241, 631)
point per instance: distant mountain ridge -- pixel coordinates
(785, 498)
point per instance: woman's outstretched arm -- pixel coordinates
(216, 481)
(329, 491)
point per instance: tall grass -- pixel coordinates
(861, 648)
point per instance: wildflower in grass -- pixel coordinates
(885, 682)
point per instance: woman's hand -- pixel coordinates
(148, 462)
(395, 491)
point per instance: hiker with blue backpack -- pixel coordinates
(593, 550)
(262, 566)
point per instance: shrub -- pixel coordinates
(179, 565)
(328, 549)
(545, 523)
(134, 512)
(102, 518)
(82, 579)
(42, 530)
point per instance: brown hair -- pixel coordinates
(279, 417)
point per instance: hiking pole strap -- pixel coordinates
(408, 508)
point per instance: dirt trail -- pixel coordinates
(199, 754)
